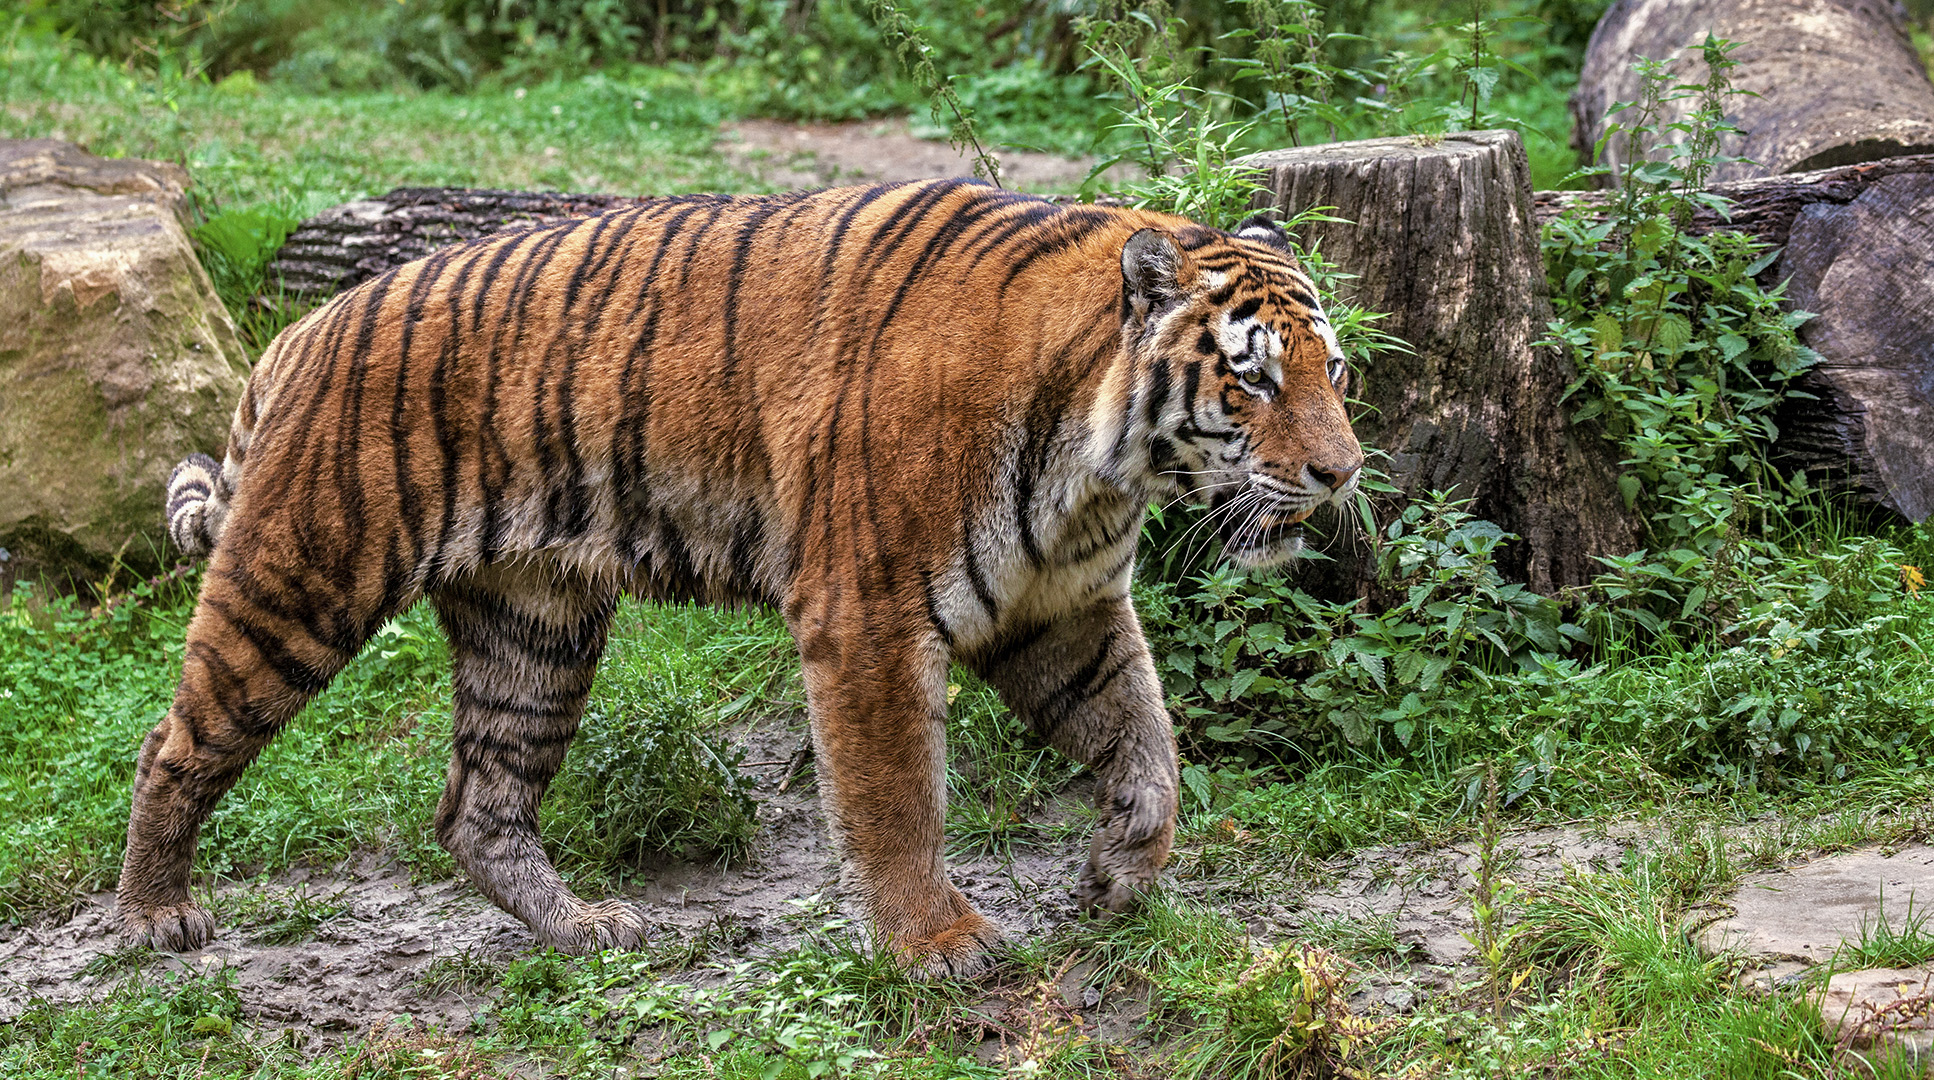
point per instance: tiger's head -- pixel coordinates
(1237, 383)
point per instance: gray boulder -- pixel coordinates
(116, 359)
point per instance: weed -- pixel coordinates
(1284, 1015)
(648, 775)
(1882, 943)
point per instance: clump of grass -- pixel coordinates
(1369, 935)
(272, 916)
(469, 971)
(1000, 776)
(1883, 943)
(1621, 941)
(650, 773)
(119, 961)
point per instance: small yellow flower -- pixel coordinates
(1912, 578)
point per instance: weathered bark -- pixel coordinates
(1867, 269)
(349, 244)
(1765, 207)
(1859, 243)
(1443, 240)
(1833, 82)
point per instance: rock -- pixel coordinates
(1807, 912)
(1882, 1012)
(116, 358)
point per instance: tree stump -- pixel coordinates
(1443, 240)
(346, 245)
(1833, 82)
(1860, 254)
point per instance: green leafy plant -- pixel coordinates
(1684, 357)
(648, 774)
(1267, 663)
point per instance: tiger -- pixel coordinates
(922, 420)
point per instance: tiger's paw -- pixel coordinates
(1130, 847)
(590, 928)
(172, 928)
(960, 950)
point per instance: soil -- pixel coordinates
(367, 964)
(822, 155)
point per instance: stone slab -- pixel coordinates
(1806, 912)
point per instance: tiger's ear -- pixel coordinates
(1152, 271)
(1264, 229)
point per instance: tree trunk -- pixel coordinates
(1832, 82)
(349, 244)
(1859, 243)
(1445, 243)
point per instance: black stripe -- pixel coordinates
(1023, 221)
(885, 243)
(1070, 229)
(933, 612)
(296, 673)
(1080, 688)
(975, 578)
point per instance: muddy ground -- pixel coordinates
(383, 936)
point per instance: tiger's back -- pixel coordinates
(902, 413)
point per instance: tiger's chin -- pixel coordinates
(1274, 544)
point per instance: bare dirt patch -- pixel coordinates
(822, 155)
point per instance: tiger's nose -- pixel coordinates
(1335, 477)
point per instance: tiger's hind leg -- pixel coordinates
(1086, 684)
(525, 640)
(254, 657)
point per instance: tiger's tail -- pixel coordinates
(198, 496)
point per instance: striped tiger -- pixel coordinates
(924, 420)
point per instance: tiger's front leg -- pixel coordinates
(878, 703)
(1086, 685)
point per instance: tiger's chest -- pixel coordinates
(1014, 570)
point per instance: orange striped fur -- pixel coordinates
(924, 420)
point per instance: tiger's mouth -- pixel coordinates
(1265, 538)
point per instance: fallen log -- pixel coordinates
(1440, 236)
(346, 245)
(1829, 82)
(1859, 253)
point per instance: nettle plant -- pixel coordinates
(1256, 664)
(1683, 356)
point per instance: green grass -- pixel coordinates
(645, 132)
(1883, 943)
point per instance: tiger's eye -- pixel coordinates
(1252, 377)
